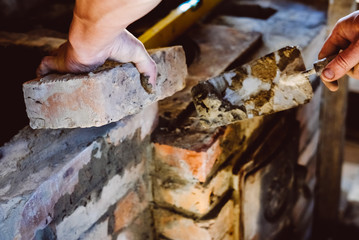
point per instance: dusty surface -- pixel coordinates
(270, 84)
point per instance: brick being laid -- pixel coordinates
(106, 95)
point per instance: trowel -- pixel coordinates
(273, 83)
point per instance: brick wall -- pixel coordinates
(158, 174)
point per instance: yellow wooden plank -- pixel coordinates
(176, 23)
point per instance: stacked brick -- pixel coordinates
(90, 183)
(193, 184)
(159, 174)
(86, 183)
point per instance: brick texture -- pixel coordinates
(80, 174)
(106, 95)
(132, 205)
(177, 227)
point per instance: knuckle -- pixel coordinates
(342, 62)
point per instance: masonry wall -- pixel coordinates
(158, 174)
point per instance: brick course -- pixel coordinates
(91, 177)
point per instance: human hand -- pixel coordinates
(344, 41)
(123, 48)
(97, 33)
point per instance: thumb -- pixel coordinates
(48, 64)
(342, 63)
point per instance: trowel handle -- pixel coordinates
(321, 64)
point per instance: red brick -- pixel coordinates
(197, 164)
(192, 196)
(129, 207)
(177, 227)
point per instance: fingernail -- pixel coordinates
(328, 73)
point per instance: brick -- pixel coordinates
(84, 217)
(178, 227)
(269, 84)
(103, 96)
(130, 207)
(190, 196)
(99, 231)
(50, 164)
(194, 154)
(141, 228)
(192, 163)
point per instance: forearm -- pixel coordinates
(96, 23)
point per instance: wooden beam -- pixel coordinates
(177, 22)
(331, 145)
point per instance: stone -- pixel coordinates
(106, 95)
(270, 84)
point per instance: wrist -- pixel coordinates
(89, 42)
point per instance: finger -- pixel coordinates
(333, 44)
(342, 63)
(332, 86)
(48, 64)
(148, 68)
(130, 49)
